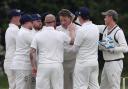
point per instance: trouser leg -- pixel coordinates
(114, 71)
(104, 80)
(11, 78)
(42, 78)
(93, 80)
(81, 77)
(23, 79)
(57, 77)
(68, 73)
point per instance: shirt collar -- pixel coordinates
(87, 23)
(25, 28)
(13, 25)
(48, 28)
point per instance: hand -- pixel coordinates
(102, 47)
(72, 27)
(34, 71)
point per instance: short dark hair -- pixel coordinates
(65, 12)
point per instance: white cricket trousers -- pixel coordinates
(23, 79)
(10, 75)
(11, 78)
(86, 75)
(111, 75)
(49, 76)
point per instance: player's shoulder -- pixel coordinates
(119, 31)
(61, 33)
(101, 26)
(118, 28)
(11, 31)
(78, 27)
(23, 31)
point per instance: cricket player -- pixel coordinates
(50, 46)
(37, 26)
(21, 61)
(86, 45)
(37, 23)
(10, 40)
(50, 20)
(113, 49)
(66, 18)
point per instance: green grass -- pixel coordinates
(3, 82)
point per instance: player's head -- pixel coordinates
(66, 17)
(110, 16)
(50, 20)
(37, 23)
(26, 21)
(83, 14)
(14, 16)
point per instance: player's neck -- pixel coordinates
(13, 22)
(85, 21)
(27, 27)
(111, 25)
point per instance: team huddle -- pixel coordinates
(66, 56)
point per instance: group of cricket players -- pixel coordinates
(46, 56)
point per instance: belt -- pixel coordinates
(113, 60)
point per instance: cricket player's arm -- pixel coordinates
(123, 47)
(33, 60)
(72, 32)
(102, 47)
(77, 42)
(101, 28)
(33, 57)
(73, 49)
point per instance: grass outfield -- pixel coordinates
(4, 83)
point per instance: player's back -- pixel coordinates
(10, 39)
(50, 45)
(89, 45)
(21, 59)
(23, 42)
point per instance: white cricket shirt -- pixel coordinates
(67, 55)
(21, 59)
(10, 40)
(50, 45)
(120, 45)
(87, 39)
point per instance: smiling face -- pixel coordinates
(65, 21)
(37, 24)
